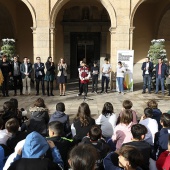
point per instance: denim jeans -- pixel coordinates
(147, 82)
(107, 79)
(120, 83)
(158, 80)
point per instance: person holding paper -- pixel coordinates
(120, 76)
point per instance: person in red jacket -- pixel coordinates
(84, 75)
(163, 162)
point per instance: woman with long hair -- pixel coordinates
(50, 75)
(62, 76)
(82, 123)
(39, 117)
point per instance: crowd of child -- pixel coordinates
(110, 142)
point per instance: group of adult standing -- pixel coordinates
(21, 73)
(162, 71)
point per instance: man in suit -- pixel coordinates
(147, 68)
(16, 74)
(161, 71)
(26, 69)
(39, 75)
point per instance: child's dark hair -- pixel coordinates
(60, 107)
(107, 109)
(152, 104)
(7, 106)
(127, 104)
(83, 114)
(83, 157)
(95, 133)
(132, 154)
(1, 123)
(120, 62)
(138, 130)
(57, 127)
(126, 117)
(165, 119)
(14, 102)
(106, 59)
(12, 125)
(148, 112)
(40, 103)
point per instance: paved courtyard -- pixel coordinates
(95, 101)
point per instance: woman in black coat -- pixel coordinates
(50, 75)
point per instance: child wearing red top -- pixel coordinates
(163, 162)
(84, 75)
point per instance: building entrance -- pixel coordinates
(84, 46)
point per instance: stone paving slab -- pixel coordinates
(95, 101)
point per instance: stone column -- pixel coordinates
(113, 55)
(34, 43)
(52, 43)
(131, 37)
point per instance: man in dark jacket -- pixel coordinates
(39, 75)
(16, 75)
(161, 71)
(6, 71)
(147, 68)
(26, 69)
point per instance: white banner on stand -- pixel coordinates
(127, 58)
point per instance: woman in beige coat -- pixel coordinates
(62, 76)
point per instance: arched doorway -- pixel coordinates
(82, 31)
(146, 18)
(15, 22)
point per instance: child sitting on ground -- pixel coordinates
(161, 137)
(64, 145)
(122, 132)
(60, 116)
(129, 158)
(163, 162)
(150, 124)
(107, 120)
(95, 139)
(152, 104)
(12, 126)
(138, 132)
(127, 104)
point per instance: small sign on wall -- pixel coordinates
(127, 58)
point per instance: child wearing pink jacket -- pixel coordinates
(122, 132)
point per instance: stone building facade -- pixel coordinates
(91, 29)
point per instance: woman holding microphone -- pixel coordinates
(50, 75)
(62, 76)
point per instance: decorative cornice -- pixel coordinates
(52, 30)
(131, 30)
(33, 30)
(112, 30)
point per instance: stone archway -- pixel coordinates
(32, 11)
(22, 21)
(111, 29)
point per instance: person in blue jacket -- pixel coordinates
(161, 72)
(31, 157)
(2, 157)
